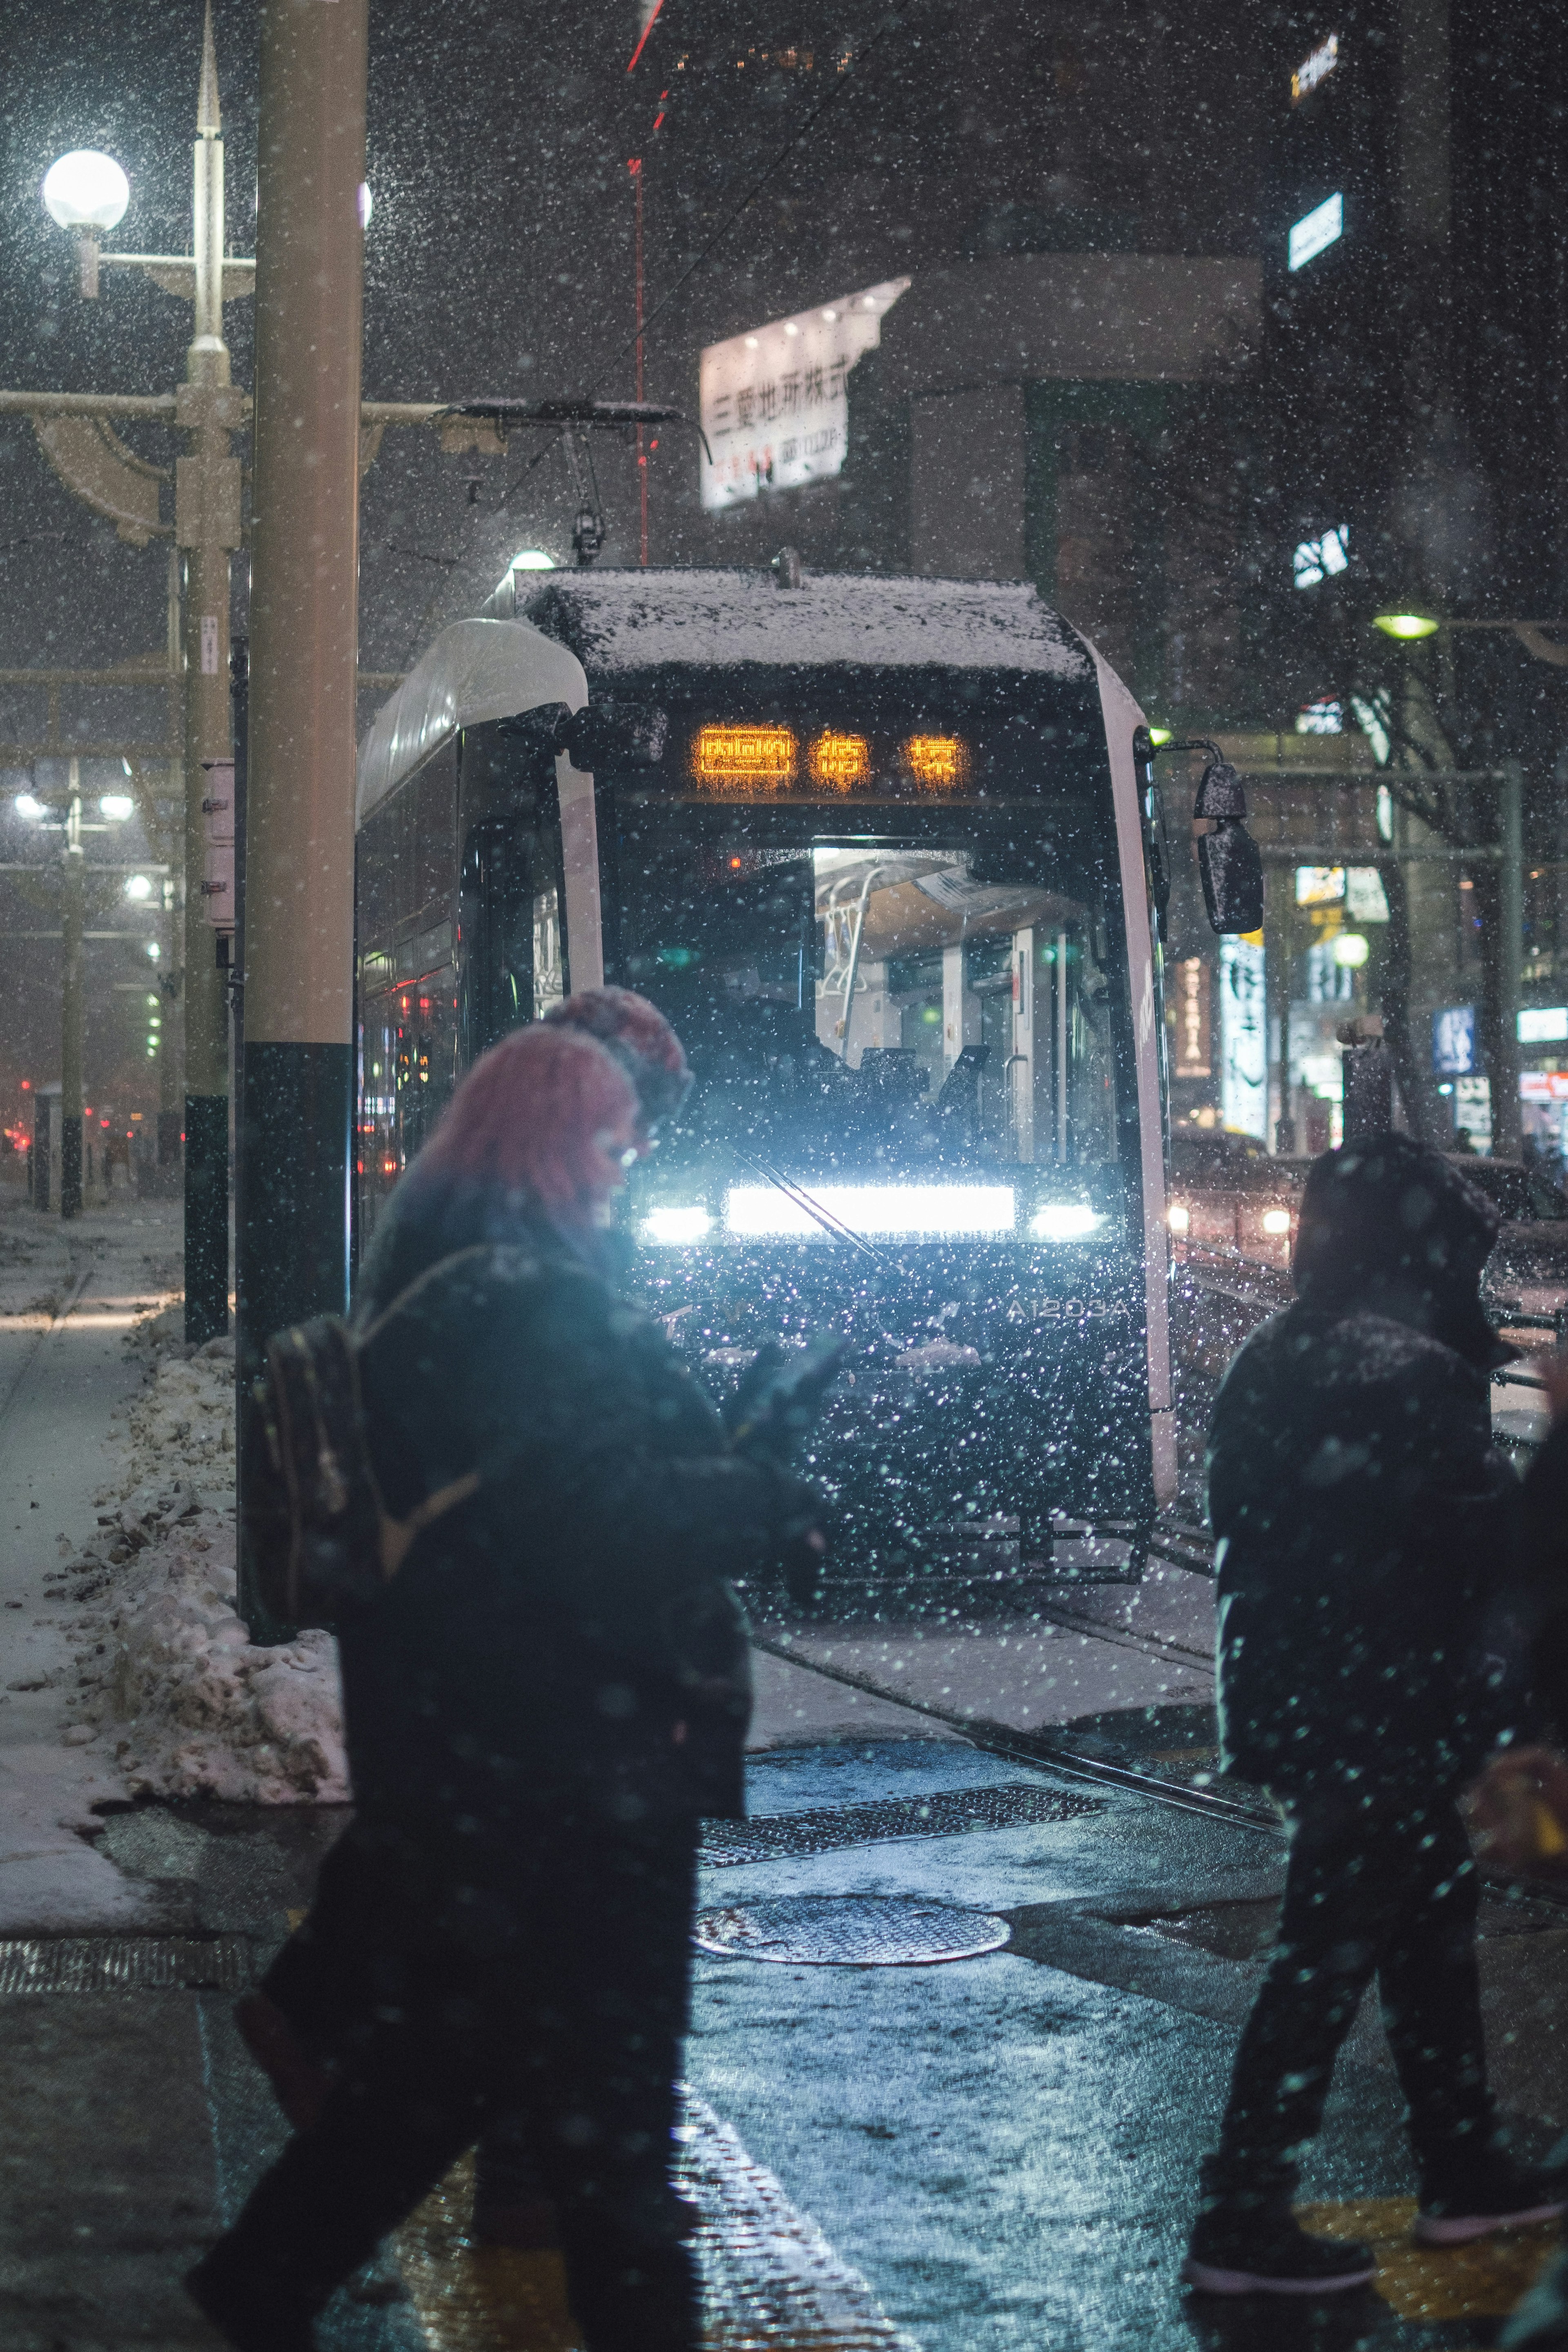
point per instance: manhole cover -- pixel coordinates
(850, 1931)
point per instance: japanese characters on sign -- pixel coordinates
(775, 403)
(1191, 1010)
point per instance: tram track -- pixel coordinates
(1038, 1749)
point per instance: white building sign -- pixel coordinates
(1243, 1038)
(1315, 231)
(775, 403)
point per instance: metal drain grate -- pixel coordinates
(124, 1964)
(946, 1814)
(850, 1931)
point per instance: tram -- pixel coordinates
(882, 850)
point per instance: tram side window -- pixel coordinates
(506, 933)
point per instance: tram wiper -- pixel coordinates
(797, 1194)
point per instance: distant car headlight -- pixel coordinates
(1064, 1220)
(673, 1226)
(1276, 1221)
(1178, 1217)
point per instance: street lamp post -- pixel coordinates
(73, 1009)
(86, 193)
(113, 808)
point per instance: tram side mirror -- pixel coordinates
(608, 735)
(1229, 860)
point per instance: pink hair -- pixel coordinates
(542, 1114)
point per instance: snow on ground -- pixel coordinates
(168, 1678)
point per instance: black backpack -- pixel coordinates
(317, 1535)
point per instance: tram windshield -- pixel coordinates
(931, 988)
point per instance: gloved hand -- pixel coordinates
(773, 1409)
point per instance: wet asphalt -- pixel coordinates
(1005, 2147)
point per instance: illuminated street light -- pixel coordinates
(1406, 625)
(1351, 950)
(116, 807)
(26, 805)
(86, 193)
(86, 190)
(533, 558)
(137, 885)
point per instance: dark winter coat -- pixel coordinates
(1366, 1522)
(1376, 1586)
(567, 1640)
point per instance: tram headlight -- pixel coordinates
(673, 1226)
(911, 1211)
(1065, 1221)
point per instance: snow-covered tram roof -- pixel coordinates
(728, 620)
(540, 645)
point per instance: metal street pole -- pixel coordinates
(299, 783)
(72, 897)
(208, 527)
(1507, 1125)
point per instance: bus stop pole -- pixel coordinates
(1507, 1129)
(72, 1024)
(299, 783)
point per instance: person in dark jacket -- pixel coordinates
(558, 1695)
(319, 1996)
(1370, 1632)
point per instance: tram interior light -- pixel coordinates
(915, 1211)
(672, 1225)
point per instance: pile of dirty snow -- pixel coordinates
(167, 1675)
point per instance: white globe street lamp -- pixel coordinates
(88, 193)
(86, 190)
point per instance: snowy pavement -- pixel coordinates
(70, 1296)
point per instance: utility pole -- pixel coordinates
(208, 527)
(73, 1009)
(300, 777)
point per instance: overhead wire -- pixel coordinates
(847, 76)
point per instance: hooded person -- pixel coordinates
(555, 1693)
(640, 1039)
(1370, 1652)
(320, 1991)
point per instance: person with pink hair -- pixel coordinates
(540, 1707)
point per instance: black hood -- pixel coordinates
(1390, 1225)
